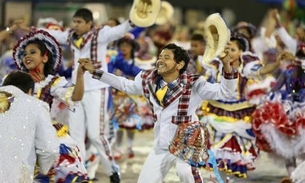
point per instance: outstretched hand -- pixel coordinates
(274, 13)
(285, 56)
(22, 23)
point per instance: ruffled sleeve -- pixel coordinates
(62, 90)
(250, 66)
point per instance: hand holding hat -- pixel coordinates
(217, 36)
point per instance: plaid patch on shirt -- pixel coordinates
(181, 89)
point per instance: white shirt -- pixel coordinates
(288, 40)
(26, 132)
(201, 90)
(106, 35)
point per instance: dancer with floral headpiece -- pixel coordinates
(279, 121)
(39, 54)
(229, 121)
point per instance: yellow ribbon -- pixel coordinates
(79, 42)
(161, 94)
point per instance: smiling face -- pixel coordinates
(33, 58)
(234, 52)
(167, 66)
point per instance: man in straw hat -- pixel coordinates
(174, 96)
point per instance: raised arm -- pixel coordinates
(288, 40)
(60, 36)
(226, 89)
(7, 32)
(131, 87)
(108, 34)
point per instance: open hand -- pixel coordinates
(22, 23)
(224, 56)
(285, 56)
(275, 15)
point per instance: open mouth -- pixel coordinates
(28, 61)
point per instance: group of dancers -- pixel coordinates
(214, 113)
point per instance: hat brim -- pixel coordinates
(166, 13)
(51, 44)
(217, 36)
(148, 19)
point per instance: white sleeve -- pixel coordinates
(62, 90)
(259, 47)
(289, 42)
(46, 141)
(131, 87)
(60, 36)
(108, 34)
(216, 91)
(251, 65)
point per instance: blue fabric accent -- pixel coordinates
(63, 149)
(118, 62)
(137, 31)
(139, 121)
(67, 73)
(212, 161)
(115, 123)
(250, 132)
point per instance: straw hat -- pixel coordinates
(217, 36)
(166, 13)
(144, 14)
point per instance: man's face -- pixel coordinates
(197, 48)
(166, 64)
(81, 26)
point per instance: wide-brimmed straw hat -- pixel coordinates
(217, 36)
(51, 44)
(166, 13)
(141, 19)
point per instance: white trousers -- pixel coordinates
(159, 162)
(89, 117)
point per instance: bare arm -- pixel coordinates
(79, 85)
(266, 69)
(287, 39)
(7, 32)
(279, 83)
